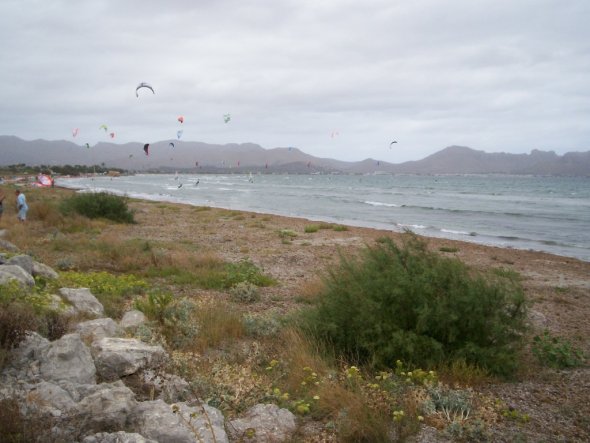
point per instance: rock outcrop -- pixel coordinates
(76, 382)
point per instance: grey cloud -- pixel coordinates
(498, 76)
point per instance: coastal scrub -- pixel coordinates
(409, 303)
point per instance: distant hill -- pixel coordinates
(252, 157)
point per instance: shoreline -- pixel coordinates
(445, 235)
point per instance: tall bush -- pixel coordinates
(405, 302)
(99, 205)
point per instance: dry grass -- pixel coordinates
(298, 352)
(310, 290)
(460, 374)
(355, 418)
(218, 322)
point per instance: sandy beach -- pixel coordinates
(558, 289)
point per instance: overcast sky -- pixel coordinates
(335, 78)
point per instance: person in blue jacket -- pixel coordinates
(21, 206)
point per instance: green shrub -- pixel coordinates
(154, 305)
(556, 352)
(244, 292)
(311, 228)
(287, 234)
(448, 249)
(340, 228)
(245, 271)
(99, 205)
(411, 304)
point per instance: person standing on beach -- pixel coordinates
(21, 205)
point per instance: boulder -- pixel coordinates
(23, 364)
(24, 261)
(116, 437)
(92, 330)
(157, 420)
(106, 408)
(117, 357)
(48, 398)
(83, 301)
(56, 303)
(67, 359)
(170, 388)
(270, 423)
(10, 273)
(132, 319)
(42, 270)
(7, 246)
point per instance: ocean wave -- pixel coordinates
(410, 226)
(451, 231)
(373, 203)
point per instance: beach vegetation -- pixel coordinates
(409, 303)
(244, 292)
(112, 290)
(308, 229)
(556, 352)
(99, 205)
(287, 234)
(217, 322)
(340, 228)
(449, 249)
(245, 271)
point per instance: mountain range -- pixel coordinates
(250, 157)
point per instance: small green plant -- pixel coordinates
(455, 404)
(99, 205)
(258, 326)
(244, 292)
(245, 271)
(515, 415)
(448, 249)
(154, 305)
(556, 352)
(340, 228)
(287, 234)
(311, 229)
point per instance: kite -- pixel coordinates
(44, 180)
(180, 119)
(112, 134)
(395, 141)
(146, 148)
(75, 132)
(143, 85)
(171, 144)
(103, 127)
(226, 118)
(179, 134)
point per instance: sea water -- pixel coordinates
(549, 214)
